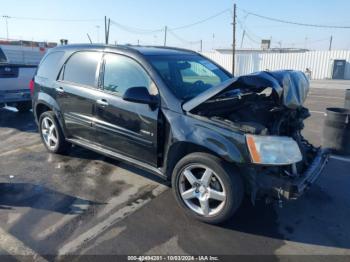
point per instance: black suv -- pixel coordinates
(179, 115)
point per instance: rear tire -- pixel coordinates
(23, 107)
(208, 188)
(51, 134)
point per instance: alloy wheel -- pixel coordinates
(49, 133)
(202, 190)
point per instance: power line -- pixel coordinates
(51, 19)
(248, 33)
(295, 23)
(257, 39)
(136, 30)
(132, 29)
(203, 20)
(251, 39)
(243, 26)
(150, 31)
(309, 42)
(182, 39)
(129, 29)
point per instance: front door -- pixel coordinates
(126, 127)
(76, 93)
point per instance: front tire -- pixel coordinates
(51, 134)
(207, 187)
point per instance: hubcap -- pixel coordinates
(202, 190)
(49, 133)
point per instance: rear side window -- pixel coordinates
(48, 68)
(2, 57)
(81, 68)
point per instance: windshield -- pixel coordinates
(188, 75)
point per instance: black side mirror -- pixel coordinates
(139, 94)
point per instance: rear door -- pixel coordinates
(76, 93)
(126, 127)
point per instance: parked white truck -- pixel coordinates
(17, 68)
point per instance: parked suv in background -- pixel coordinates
(179, 115)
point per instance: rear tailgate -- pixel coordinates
(9, 71)
(14, 81)
(14, 77)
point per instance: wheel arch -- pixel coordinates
(46, 103)
(185, 134)
(181, 149)
(41, 108)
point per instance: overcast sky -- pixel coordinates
(156, 14)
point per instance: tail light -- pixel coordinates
(31, 86)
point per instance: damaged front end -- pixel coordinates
(267, 107)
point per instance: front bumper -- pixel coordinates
(292, 188)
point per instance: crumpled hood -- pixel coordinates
(290, 86)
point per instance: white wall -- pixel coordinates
(320, 62)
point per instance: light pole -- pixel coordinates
(165, 34)
(234, 38)
(7, 26)
(98, 33)
(213, 43)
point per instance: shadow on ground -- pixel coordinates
(320, 218)
(21, 121)
(85, 154)
(39, 197)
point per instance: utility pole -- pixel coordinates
(330, 43)
(234, 39)
(105, 29)
(201, 46)
(108, 27)
(243, 35)
(7, 26)
(165, 33)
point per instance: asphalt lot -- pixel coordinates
(85, 203)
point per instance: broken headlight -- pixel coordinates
(273, 150)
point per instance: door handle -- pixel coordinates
(59, 89)
(102, 102)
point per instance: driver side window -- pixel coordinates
(121, 73)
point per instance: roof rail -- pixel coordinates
(170, 48)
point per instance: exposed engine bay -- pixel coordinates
(266, 103)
